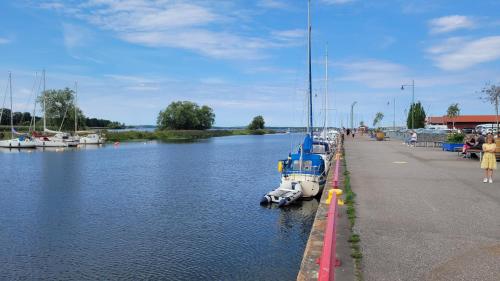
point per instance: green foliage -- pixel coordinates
(419, 116)
(378, 118)
(60, 109)
(453, 110)
(19, 118)
(185, 115)
(176, 135)
(257, 123)
(103, 123)
(455, 138)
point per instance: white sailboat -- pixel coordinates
(15, 142)
(90, 139)
(43, 140)
(303, 174)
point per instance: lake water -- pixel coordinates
(150, 211)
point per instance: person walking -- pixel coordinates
(413, 139)
(489, 162)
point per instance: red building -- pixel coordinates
(463, 121)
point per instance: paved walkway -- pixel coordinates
(423, 214)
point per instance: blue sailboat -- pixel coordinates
(303, 174)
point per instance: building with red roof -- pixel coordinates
(463, 121)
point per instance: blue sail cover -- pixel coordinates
(305, 162)
(308, 144)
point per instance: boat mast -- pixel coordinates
(326, 90)
(44, 104)
(11, 114)
(310, 121)
(74, 104)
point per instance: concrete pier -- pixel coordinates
(423, 214)
(309, 266)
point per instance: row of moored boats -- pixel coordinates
(48, 138)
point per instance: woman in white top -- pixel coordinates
(413, 139)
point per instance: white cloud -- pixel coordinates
(374, 73)
(450, 23)
(337, 2)
(459, 53)
(75, 36)
(4, 41)
(273, 4)
(175, 24)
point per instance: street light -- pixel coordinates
(352, 114)
(412, 101)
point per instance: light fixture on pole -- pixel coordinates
(412, 107)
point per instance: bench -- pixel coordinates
(480, 152)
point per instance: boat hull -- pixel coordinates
(16, 143)
(50, 143)
(311, 185)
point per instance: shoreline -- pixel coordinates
(179, 135)
(172, 135)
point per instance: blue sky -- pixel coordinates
(132, 58)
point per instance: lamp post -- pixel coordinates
(412, 107)
(352, 114)
(394, 116)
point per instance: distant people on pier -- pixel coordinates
(413, 139)
(348, 131)
(489, 161)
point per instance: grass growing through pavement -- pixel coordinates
(354, 240)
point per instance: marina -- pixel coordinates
(150, 211)
(205, 140)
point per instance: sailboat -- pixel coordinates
(42, 140)
(15, 142)
(303, 174)
(90, 139)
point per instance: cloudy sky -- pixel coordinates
(131, 58)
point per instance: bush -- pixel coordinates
(185, 115)
(257, 123)
(455, 138)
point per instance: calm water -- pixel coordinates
(150, 211)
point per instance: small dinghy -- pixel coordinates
(284, 195)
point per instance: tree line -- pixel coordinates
(186, 115)
(59, 106)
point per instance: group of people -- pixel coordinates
(473, 142)
(349, 132)
(488, 146)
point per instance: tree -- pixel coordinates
(419, 116)
(378, 118)
(19, 118)
(257, 123)
(491, 93)
(452, 112)
(185, 115)
(60, 109)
